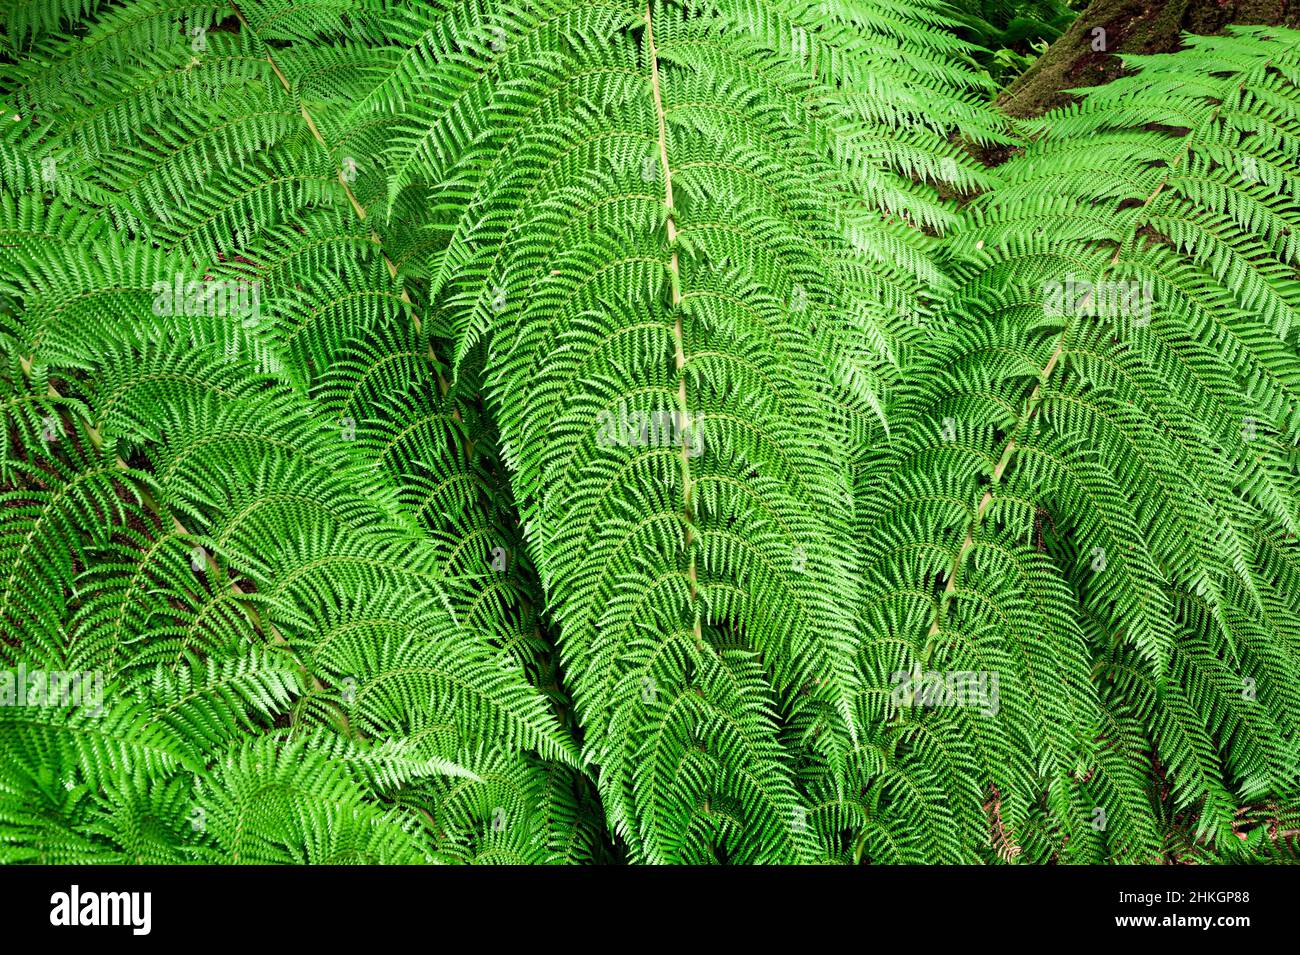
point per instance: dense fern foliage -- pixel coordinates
(576, 432)
(1103, 489)
(1011, 33)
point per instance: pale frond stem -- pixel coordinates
(357, 207)
(249, 609)
(1031, 404)
(311, 125)
(1004, 461)
(674, 272)
(443, 385)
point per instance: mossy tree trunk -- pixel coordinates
(1085, 57)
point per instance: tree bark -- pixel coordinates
(1131, 26)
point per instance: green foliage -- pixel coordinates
(1013, 33)
(546, 432)
(1104, 498)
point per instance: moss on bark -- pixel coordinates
(1131, 26)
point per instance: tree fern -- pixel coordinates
(1099, 502)
(240, 527)
(558, 432)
